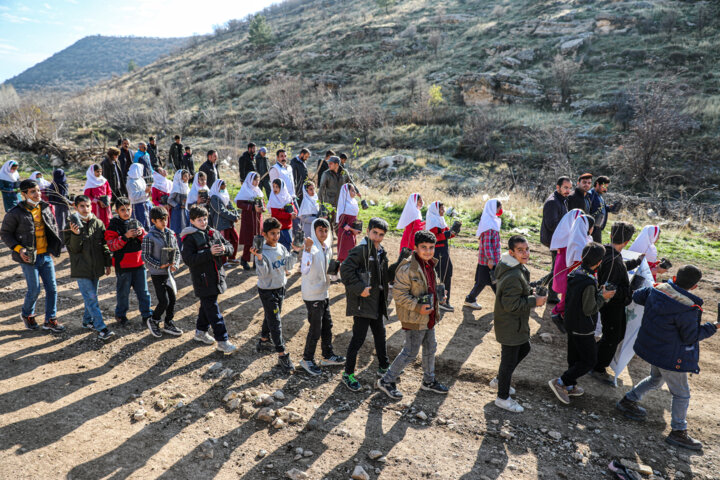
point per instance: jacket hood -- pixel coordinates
(507, 263)
(676, 299)
(188, 230)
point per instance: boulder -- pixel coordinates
(553, 29)
(571, 46)
(511, 62)
(266, 414)
(360, 474)
(504, 86)
(295, 474)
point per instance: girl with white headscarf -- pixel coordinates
(411, 220)
(10, 184)
(251, 214)
(488, 233)
(177, 200)
(569, 242)
(138, 192)
(645, 243)
(435, 223)
(280, 198)
(44, 185)
(97, 189)
(223, 218)
(309, 208)
(161, 187)
(199, 185)
(347, 215)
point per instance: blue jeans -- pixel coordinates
(89, 291)
(44, 269)
(677, 384)
(414, 339)
(137, 279)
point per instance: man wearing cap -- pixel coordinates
(262, 167)
(300, 172)
(322, 166)
(331, 183)
(245, 162)
(143, 158)
(581, 198)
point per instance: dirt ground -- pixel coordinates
(67, 401)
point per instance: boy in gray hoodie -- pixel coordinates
(271, 265)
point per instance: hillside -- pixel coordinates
(93, 59)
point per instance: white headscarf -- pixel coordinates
(328, 240)
(91, 180)
(249, 192)
(347, 205)
(178, 186)
(645, 242)
(193, 195)
(577, 240)
(279, 200)
(410, 213)
(42, 183)
(562, 231)
(6, 174)
(216, 191)
(489, 219)
(161, 183)
(309, 205)
(135, 174)
(433, 218)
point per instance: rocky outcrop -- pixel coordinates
(553, 29)
(504, 86)
(607, 23)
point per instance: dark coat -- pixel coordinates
(175, 155)
(155, 161)
(361, 259)
(112, 171)
(125, 160)
(18, 228)
(599, 209)
(578, 199)
(187, 163)
(206, 269)
(300, 174)
(671, 329)
(245, 165)
(615, 270)
(583, 302)
(262, 166)
(554, 208)
(211, 170)
(513, 302)
(89, 253)
(330, 186)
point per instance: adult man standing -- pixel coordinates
(176, 153)
(331, 183)
(300, 172)
(282, 170)
(210, 168)
(113, 174)
(126, 158)
(598, 208)
(152, 150)
(143, 158)
(245, 162)
(580, 198)
(555, 206)
(30, 231)
(322, 165)
(262, 167)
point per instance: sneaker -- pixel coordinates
(154, 327)
(170, 328)
(446, 307)
(334, 278)
(576, 391)
(472, 305)
(203, 337)
(350, 382)
(225, 347)
(509, 404)
(333, 360)
(263, 345)
(30, 322)
(559, 322)
(494, 384)
(603, 376)
(228, 265)
(53, 325)
(435, 387)
(559, 390)
(245, 265)
(680, 438)
(388, 389)
(382, 371)
(285, 363)
(88, 326)
(310, 367)
(631, 409)
(122, 320)
(105, 334)
(235, 261)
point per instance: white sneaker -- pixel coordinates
(203, 337)
(509, 404)
(226, 347)
(334, 278)
(494, 384)
(473, 305)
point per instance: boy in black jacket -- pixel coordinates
(584, 300)
(202, 251)
(614, 269)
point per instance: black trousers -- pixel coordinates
(581, 357)
(552, 294)
(320, 327)
(360, 328)
(597, 234)
(210, 316)
(613, 331)
(482, 280)
(510, 358)
(166, 298)
(444, 268)
(272, 324)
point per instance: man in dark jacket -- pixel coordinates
(176, 153)
(554, 208)
(112, 171)
(669, 340)
(331, 183)
(300, 172)
(262, 167)
(366, 275)
(152, 150)
(126, 158)
(322, 166)
(188, 163)
(246, 163)
(614, 269)
(210, 168)
(29, 230)
(580, 198)
(598, 208)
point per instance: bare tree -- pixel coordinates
(285, 95)
(563, 72)
(481, 135)
(558, 143)
(435, 40)
(365, 114)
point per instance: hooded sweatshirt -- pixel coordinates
(315, 279)
(276, 261)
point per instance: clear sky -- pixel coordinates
(33, 30)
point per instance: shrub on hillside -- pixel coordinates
(481, 135)
(259, 32)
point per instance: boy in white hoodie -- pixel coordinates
(314, 287)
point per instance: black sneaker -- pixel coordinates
(122, 320)
(245, 265)
(310, 367)
(435, 387)
(263, 345)
(53, 325)
(382, 371)
(350, 382)
(154, 327)
(88, 326)
(680, 438)
(390, 389)
(170, 328)
(285, 363)
(30, 322)
(553, 298)
(105, 334)
(603, 376)
(631, 409)
(332, 360)
(559, 322)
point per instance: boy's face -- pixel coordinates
(521, 252)
(200, 223)
(596, 266)
(124, 212)
(160, 223)
(272, 237)
(425, 251)
(83, 208)
(376, 235)
(321, 233)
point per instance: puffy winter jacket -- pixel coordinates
(206, 269)
(89, 253)
(513, 302)
(18, 228)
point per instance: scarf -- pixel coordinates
(178, 186)
(347, 205)
(217, 191)
(193, 195)
(310, 205)
(562, 231)
(489, 219)
(60, 181)
(410, 213)
(161, 183)
(249, 192)
(91, 180)
(577, 240)
(645, 242)
(6, 174)
(42, 183)
(279, 200)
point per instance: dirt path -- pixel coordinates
(67, 401)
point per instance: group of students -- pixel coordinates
(192, 227)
